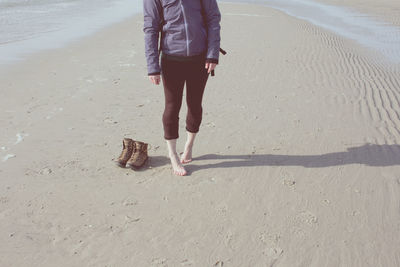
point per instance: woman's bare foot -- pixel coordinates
(176, 165)
(186, 156)
(175, 162)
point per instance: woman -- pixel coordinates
(190, 42)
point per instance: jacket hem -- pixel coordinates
(212, 60)
(202, 56)
(154, 73)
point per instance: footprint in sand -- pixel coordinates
(159, 262)
(45, 171)
(109, 120)
(222, 209)
(273, 253)
(129, 202)
(270, 243)
(229, 237)
(308, 218)
(4, 200)
(210, 124)
(298, 231)
(289, 182)
(288, 179)
(187, 262)
(355, 213)
(269, 239)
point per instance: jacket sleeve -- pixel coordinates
(213, 18)
(152, 22)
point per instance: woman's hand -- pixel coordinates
(155, 79)
(210, 66)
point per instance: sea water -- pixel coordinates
(28, 26)
(368, 31)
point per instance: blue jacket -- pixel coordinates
(190, 27)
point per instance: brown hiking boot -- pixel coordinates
(139, 156)
(126, 153)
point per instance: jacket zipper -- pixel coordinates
(186, 29)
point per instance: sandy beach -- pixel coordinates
(297, 162)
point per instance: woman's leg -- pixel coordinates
(187, 152)
(173, 82)
(195, 85)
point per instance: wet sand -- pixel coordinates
(297, 162)
(387, 10)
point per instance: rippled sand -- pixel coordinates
(297, 162)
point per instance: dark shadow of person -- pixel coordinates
(154, 162)
(368, 154)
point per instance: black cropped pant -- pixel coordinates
(175, 74)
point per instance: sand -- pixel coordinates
(297, 162)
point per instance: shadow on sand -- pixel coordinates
(368, 154)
